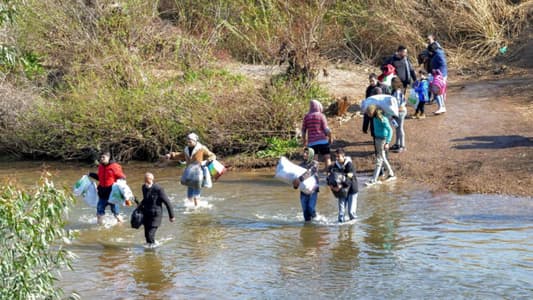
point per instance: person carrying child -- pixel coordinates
(308, 201)
(383, 136)
(343, 183)
(422, 90)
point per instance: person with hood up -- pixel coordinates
(108, 173)
(343, 183)
(316, 133)
(308, 201)
(194, 153)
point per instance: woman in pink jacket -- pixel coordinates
(316, 133)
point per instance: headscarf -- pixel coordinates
(310, 155)
(315, 106)
(192, 136)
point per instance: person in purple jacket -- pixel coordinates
(316, 133)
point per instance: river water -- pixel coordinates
(247, 239)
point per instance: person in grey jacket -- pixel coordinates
(404, 68)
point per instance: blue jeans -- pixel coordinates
(192, 192)
(102, 204)
(308, 205)
(348, 204)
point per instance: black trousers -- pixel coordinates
(149, 233)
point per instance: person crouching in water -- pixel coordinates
(383, 136)
(343, 183)
(194, 153)
(154, 197)
(308, 201)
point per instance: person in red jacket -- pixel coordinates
(108, 173)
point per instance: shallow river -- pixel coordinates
(247, 239)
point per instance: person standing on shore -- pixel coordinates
(154, 197)
(383, 136)
(404, 68)
(108, 173)
(316, 133)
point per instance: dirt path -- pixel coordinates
(483, 144)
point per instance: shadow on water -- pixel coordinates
(493, 142)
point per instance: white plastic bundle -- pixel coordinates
(120, 192)
(387, 103)
(86, 188)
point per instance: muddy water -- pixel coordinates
(247, 239)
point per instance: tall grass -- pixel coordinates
(136, 76)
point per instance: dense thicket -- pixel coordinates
(136, 76)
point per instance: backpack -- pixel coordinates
(438, 84)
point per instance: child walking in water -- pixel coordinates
(383, 136)
(308, 201)
(343, 183)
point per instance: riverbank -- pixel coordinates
(482, 144)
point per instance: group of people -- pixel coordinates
(154, 196)
(398, 74)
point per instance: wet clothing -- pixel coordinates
(152, 207)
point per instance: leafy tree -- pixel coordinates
(32, 235)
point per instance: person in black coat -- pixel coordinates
(152, 207)
(342, 181)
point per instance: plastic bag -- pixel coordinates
(192, 176)
(86, 188)
(413, 98)
(308, 186)
(287, 171)
(216, 169)
(81, 185)
(387, 103)
(207, 182)
(120, 192)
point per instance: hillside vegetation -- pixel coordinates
(136, 76)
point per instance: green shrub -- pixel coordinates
(31, 241)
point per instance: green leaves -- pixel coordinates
(31, 238)
(278, 147)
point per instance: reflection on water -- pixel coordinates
(249, 240)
